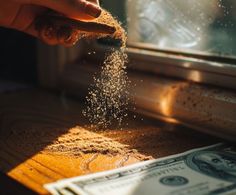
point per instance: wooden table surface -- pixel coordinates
(44, 138)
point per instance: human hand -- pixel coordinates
(21, 14)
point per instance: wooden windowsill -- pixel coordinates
(44, 138)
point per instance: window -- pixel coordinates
(192, 26)
(189, 39)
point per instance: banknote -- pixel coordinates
(60, 188)
(204, 171)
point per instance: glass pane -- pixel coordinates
(205, 26)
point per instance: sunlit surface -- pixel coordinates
(195, 76)
(166, 105)
(167, 101)
(43, 141)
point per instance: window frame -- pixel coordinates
(191, 68)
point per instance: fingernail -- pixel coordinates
(93, 10)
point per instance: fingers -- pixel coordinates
(48, 38)
(77, 9)
(64, 36)
(57, 29)
(60, 21)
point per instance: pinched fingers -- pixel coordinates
(57, 29)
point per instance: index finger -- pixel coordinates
(77, 9)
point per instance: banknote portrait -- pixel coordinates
(220, 165)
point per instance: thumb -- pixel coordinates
(77, 9)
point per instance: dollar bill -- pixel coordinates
(204, 171)
(60, 188)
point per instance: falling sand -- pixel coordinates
(107, 99)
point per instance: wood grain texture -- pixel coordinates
(44, 138)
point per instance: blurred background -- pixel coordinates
(18, 60)
(193, 26)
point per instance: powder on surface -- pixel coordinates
(37, 121)
(80, 141)
(107, 99)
